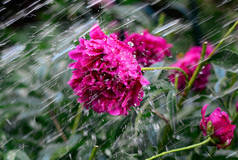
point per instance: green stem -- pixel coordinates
(198, 69)
(204, 62)
(223, 39)
(181, 149)
(160, 115)
(93, 154)
(235, 118)
(176, 82)
(76, 120)
(161, 19)
(194, 76)
(165, 68)
(57, 125)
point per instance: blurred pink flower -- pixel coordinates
(218, 126)
(148, 48)
(106, 76)
(189, 63)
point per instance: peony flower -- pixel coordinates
(189, 63)
(106, 76)
(148, 49)
(218, 126)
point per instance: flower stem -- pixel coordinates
(93, 154)
(204, 62)
(77, 119)
(57, 125)
(161, 19)
(176, 81)
(160, 115)
(181, 149)
(165, 68)
(222, 40)
(194, 76)
(235, 118)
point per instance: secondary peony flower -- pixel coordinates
(148, 49)
(189, 63)
(106, 76)
(218, 126)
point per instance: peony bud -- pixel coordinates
(218, 126)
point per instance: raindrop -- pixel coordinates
(85, 133)
(131, 44)
(108, 152)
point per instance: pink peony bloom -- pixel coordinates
(189, 63)
(148, 49)
(106, 76)
(218, 126)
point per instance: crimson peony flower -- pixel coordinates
(106, 76)
(189, 63)
(148, 49)
(218, 126)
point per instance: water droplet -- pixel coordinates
(131, 44)
(108, 152)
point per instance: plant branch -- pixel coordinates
(161, 116)
(223, 39)
(57, 125)
(194, 76)
(165, 68)
(181, 149)
(77, 119)
(204, 62)
(93, 154)
(176, 82)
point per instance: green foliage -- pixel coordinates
(56, 151)
(16, 155)
(226, 59)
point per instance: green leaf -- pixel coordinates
(226, 92)
(164, 136)
(56, 151)
(165, 85)
(152, 76)
(171, 104)
(16, 155)
(226, 59)
(220, 74)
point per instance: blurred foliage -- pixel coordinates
(35, 38)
